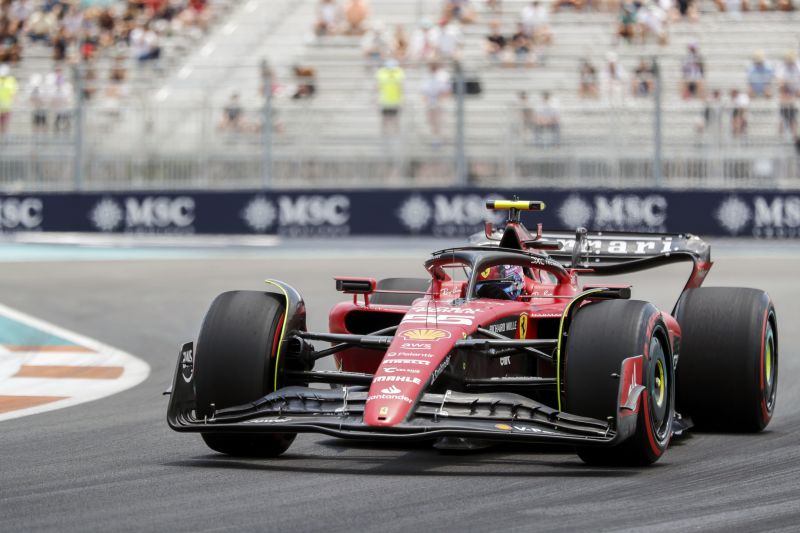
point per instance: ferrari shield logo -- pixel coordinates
(522, 329)
(485, 273)
(383, 411)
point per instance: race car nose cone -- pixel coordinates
(384, 412)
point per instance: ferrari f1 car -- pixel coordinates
(503, 342)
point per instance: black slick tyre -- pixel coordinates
(399, 284)
(601, 337)
(727, 375)
(235, 359)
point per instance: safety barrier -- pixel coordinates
(427, 212)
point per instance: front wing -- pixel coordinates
(339, 413)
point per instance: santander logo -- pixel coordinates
(391, 390)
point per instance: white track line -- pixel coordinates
(76, 391)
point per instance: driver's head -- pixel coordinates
(501, 282)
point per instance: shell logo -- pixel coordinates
(425, 334)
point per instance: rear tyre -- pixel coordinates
(235, 361)
(601, 337)
(727, 376)
(400, 284)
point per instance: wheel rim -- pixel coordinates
(659, 389)
(770, 367)
(660, 392)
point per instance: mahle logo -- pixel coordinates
(425, 334)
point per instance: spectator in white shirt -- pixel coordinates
(435, 88)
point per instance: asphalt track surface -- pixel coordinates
(114, 465)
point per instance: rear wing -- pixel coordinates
(598, 253)
(607, 253)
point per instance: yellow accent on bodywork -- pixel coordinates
(561, 337)
(520, 205)
(283, 331)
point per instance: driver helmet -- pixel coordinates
(514, 274)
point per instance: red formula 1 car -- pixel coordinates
(504, 342)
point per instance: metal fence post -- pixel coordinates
(462, 178)
(266, 149)
(657, 125)
(78, 156)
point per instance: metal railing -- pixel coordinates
(141, 143)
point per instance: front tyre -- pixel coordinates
(601, 337)
(235, 363)
(727, 375)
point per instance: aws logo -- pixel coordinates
(425, 334)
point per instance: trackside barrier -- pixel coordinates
(425, 212)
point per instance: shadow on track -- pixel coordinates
(500, 460)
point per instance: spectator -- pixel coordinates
(495, 42)
(614, 81)
(784, 5)
(573, 4)
(355, 15)
(8, 94)
(588, 80)
(495, 6)
(61, 94)
(375, 44)
(526, 115)
(451, 40)
(145, 44)
(89, 71)
(643, 79)
(196, 14)
(759, 77)
(459, 10)
(688, 10)
(652, 20)
(788, 113)
(712, 115)
(425, 42)
(116, 78)
(626, 28)
(788, 73)
(536, 22)
(60, 44)
(739, 102)
(328, 18)
(734, 7)
(10, 47)
(41, 24)
(391, 87)
(693, 72)
(38, 103)
(522, 47)
(305, 78)
(400, 43)
(232, 115)
(547, 121)
(435, 88)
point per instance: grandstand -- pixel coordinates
(166, 130)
